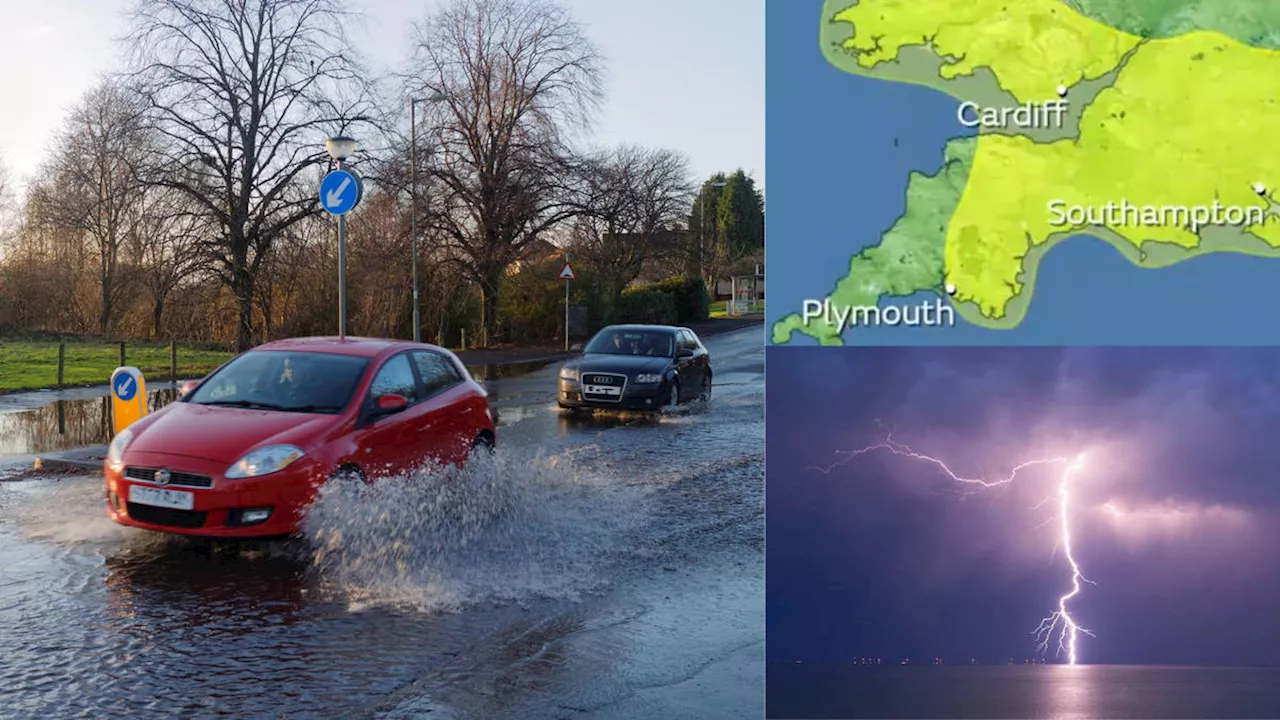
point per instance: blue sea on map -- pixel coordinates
(838, 182)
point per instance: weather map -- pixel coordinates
(1146, 125)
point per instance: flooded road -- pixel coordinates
(597, 567)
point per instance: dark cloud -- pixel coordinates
(1175, 512)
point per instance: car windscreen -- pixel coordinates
(284, 381)
(619, 341)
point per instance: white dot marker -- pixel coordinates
(1062, 91)
(1260, 188)
(951, 289)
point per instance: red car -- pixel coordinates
(242, 453)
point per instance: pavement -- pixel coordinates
(511, 354)
(601, 567)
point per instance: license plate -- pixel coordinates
(609, 390)
(158, 497)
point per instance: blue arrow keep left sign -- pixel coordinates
(339, 192)
(125, 387)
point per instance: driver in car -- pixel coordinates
(293, 381)
(626, 345)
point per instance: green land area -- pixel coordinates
(27, 364)
(1253, 22)
(908, 257)
(1184, 120)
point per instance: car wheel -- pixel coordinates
(348, 472)
(673, 395)
(483, 445)
(705, 395)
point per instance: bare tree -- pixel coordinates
(6, 198)
(90, 185)
(297, 288)
(632, 206)
(166, 236)
(380, 254)
(245, 92)
(513, 76)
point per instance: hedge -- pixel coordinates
(531, 306)
(645, 305)
(689, 295)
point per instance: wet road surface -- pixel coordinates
(606, 567)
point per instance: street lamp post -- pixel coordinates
(340, 148)
(413, 211)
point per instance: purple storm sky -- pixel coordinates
(1175, 515)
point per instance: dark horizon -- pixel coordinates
(1174, 515)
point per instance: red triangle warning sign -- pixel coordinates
(567, 272)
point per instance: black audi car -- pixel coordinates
(637, 367)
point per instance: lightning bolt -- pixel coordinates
(1068, 630)
(1059, 624)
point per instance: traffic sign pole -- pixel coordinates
(566, 274)
(340, 191)
(342, 258)
(342, 276)
(566, 307)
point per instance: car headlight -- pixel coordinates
(568, 373)
(115, 451)
(264, 461)
(649, 378)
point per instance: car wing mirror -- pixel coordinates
(684, 353)
(187, 387)
(389, 404)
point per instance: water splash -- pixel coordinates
(505, 529)
(63, 511)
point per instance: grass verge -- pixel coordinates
(32, 364)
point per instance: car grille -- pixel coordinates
(176, 477)
(603, 379)
(609, 380)
(167, 516)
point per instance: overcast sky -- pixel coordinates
(682, 74)
(1174, 514)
